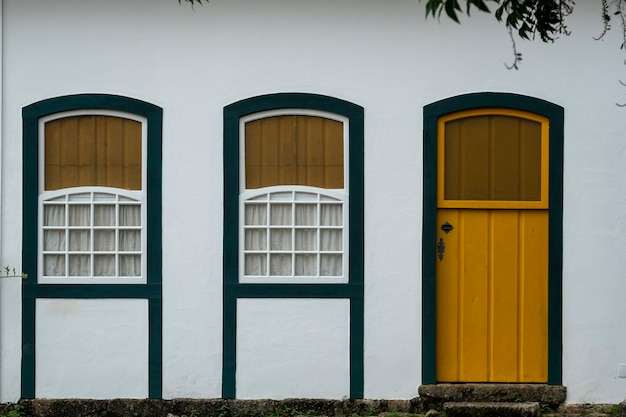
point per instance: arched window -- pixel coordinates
(294, 199)
(293, 210)
(92, 197)
(92, 216)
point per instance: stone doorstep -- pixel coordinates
(492, 409)
(437, 394)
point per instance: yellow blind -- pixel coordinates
(492, 158)
(93, 150)
(294, 150)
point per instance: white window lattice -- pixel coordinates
(92, 235)
(293, 235)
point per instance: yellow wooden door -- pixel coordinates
(492, 245)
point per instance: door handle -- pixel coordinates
(441, 245)
(441, 248)
(446, 227)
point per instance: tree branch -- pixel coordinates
(517, 55)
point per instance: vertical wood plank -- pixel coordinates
(301, 146)
(530, 160)
(253, 154)
(315, 153)
(504, 132)
(452, 164)
(504, 274)
(101, 151)
(52, 157)
(448, 299)
(132, 154)
(333, 153)
(269, 152)
(474, 300)
(115, 153)
(534, 297)
(69, 152)
(286, 163)
(474, 159)
(86, 150)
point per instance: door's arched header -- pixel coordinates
(499, 100)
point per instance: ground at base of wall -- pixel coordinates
(263, 408)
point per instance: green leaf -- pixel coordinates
(451, 7)
(498, 13)
(432, 6)
(480, 5)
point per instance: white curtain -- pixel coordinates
(293, 251)
(255, 239)
(306, 240)
(331, 240)
(54, 240)
(79, 240)
(130, 240)
(77, 252)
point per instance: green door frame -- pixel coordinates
(555, 114)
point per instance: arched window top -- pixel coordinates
(309, 107)
(294, 147)
(92, 148)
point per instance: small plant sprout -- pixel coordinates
(12, 273)
(12, 411)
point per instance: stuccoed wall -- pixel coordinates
(103, 343)
(381, 55)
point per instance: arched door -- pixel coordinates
(492, 247)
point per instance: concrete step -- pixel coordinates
(492, 409)
(435, 395)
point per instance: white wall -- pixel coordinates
(92, 348)
(379, 54)
(292, 348)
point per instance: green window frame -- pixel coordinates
(150, 288)
(233, 289)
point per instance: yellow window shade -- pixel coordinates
(93, 150)
(294, 150)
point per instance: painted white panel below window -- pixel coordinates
(293, 348)
(91, 348)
